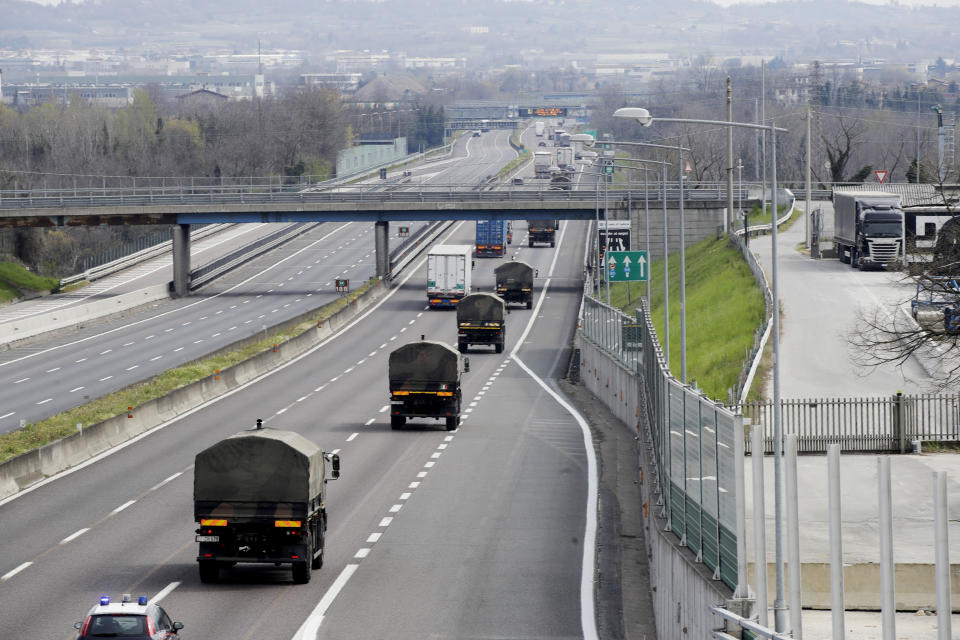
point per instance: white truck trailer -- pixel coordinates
(448, 274)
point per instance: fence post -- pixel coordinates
(899, 429)
(942, 553)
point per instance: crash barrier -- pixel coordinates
(209, 272)
(879, 424)
(22, 471)
(687, 445)
(128, 259)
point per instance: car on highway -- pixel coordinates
(541, 144)
(476, 133)
(138, 620)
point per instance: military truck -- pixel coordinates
(542, 231)
(425, 383)
(480, 320)
(515, 282)
(259, 497)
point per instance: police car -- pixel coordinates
(128, 619)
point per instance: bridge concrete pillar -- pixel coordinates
(181, 260)
(381, 237)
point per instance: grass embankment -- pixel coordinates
(15, 281)
(513, 164)
(756, 217)
(724, 308)
(35, 435)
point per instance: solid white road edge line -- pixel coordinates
(10, 574)
(165, 592)
(212, 401)
(588, 622)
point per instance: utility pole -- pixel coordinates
(729, 222)
(806, 213)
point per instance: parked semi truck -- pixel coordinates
(259, 496)
(425, 383)
(542, 161)
(481, 320)
(868, 228)
(542, 231)
(491, 237)
(515, 282)
(448, 274)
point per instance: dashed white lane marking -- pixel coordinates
(45, 401)
(127, 344)
(166, 480)
(384, 408)
(163, 593)
(412, 321)
(197, 341)
(448, 439)
(133, 367)
(7, 415)
(80, 360)
(178, 349)
(74, 390)
(468, 410)
(149, 338)
(385, 521)
(393, 338)
(369, 422)
(436, 454)
(106, 352)
(282, 411)
(335, 451)
(123, 506)
(320, 388)
(334, 379)
(104, 379)
(302, 398)
(372, 353)
(218, 333)
(374, 537)
(352, 436)
(405, 495)
(188, 322)
(52, 370)
(395, 508)
(402, 329)
(383, 346)
(429, 465)
(421, 474)
(10, 574)
(21, 380)
(473, 404)
(362, 553)
(413, 485)
(155, 358)
(418, 315)
(442, 446)
(349, 369)
(168, 330)
(73, 536)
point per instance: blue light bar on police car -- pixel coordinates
(142, 601)
(104, 600)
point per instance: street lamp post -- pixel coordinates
(645, 119)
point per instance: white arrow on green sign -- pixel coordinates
(626, 266)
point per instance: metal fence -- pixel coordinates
(693, 439)
(878, 424)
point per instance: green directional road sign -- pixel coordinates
(626, 266)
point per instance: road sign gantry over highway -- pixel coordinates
(626, 266)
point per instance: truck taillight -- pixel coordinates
(444, 393)
(401, 393)
(287, 523)
(208, 522)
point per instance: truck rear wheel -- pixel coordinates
(462, 347)
(530, 243)
(209, 571)
(498, 348)
(301, 572)
(317, 562)
(397, 421)
(552, 243)
(529, 304)
(452, 422)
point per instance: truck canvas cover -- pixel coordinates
(515, 275)
(259, 466)
(422, 363)
(480, 307)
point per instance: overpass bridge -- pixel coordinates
(182, 205)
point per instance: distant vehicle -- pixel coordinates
(424, 380)
(515, 282)
(538, 127)
(518, 180)
(448, 274)
(491, 238)
(258, 497)
(476, 133)
(565, 158)
(542, 161)
(541, 144)
(868, 228)
(562, 138)
(560, 181)
(480, 320)
(542, 231)
(126, 619)
(936, 304)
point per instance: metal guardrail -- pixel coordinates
(693, 439)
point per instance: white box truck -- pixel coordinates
(448, 274)
(542, 161)
(538, 127)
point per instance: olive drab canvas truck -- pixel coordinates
(258, 497)
(542, 231)
(480, 320)
(424, 381)
(515, 282)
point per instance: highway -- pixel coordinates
(477, 532)
(62, 370)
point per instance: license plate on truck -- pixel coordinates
(208, 539)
